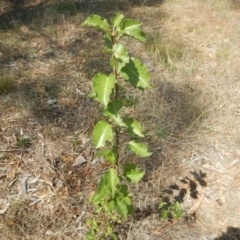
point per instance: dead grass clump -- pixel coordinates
(173, 110)
(29, 222)
(167, 52)
(223, 5)
(235, 4)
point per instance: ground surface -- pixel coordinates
(191, 117)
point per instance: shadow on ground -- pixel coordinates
(21, 12)
(235, 4)
(18, 14)
(174, 115)
(172, 108)
(231, 234)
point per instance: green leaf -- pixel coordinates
(107, 186)
(135, 175)
(116, 63)
(109, 154)
(178, 213)
(139, 148)
(131, 210)
(128, 167)
(98, 22)
(132, 173)
(95, 224)
(108, 41)
(101, 193)
(119, 65)
(103, 86)
(134, 127)
(102, 132)
(162, 204)
(177, 205)
(121, 208)
(112, 180)
(91, 235)
(102, 186)
(136, 73)
(164, 214)
(92, 94)
(131, 28)
(112, 62)
(108, 229)
(127, 200)
(123, 190)
(109, 207)
(92, 223)
(116, 20)
(120, 56)
(113, 236)
(119, 51)
(112, 111)
(99, 196)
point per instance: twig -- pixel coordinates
(14, 150)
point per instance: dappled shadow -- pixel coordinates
(48, 105)
(176, 193)
(172, 115)
(33, 47)
(231, 234)
(29, 20)
(179, 106)
(177, 110)
(22, 12)
(173, 110)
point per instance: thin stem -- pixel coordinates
(116, 97)
(116, 85)
(117, 143)
(116, 127)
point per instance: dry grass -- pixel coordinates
(191, 117)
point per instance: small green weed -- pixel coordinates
(6, 84)
(24, 142)
(170, 210)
